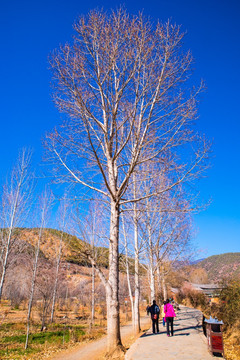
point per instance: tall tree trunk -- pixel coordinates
(152, 284)
(113, 316)
(128, 276)
(10, 231)
(137, 327)
(46, 199)
(4, 268)
(150, 253)
(56, 278)
(164, 287)
(151, 268)
(33, 285)
(15, 204)
(44, 312)
(93, 296)
(159, 279)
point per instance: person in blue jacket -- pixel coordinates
(154, 310)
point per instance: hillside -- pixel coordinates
(73, 249)
(49, 246)
(213, 268)
(221, 266)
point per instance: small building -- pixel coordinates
(210, 290)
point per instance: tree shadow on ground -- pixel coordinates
(151, 334)
(186, 318)
(197, 327)
(180, 332)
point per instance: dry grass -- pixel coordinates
(232, 343)
(66, 332)
(71, 329)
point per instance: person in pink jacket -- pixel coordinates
(169, 315)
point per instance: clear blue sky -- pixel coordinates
(30, 30)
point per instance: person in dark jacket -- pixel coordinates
(154, 311)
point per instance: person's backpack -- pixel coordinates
(156, 311)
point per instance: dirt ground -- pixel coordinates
(97, 349)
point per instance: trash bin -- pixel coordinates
(214, 336)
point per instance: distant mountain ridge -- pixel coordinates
(194, 262)
(221, 266)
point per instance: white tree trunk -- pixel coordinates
(159, 279)
(56, 279)
(113, 316)
(152, 284)
(164, 287)
(4, 268)
(128, 275)
(137, 327)
(46, 199)
(151, 267)
(14, 204)
(93, 296)
(9, 238)
(33, 286)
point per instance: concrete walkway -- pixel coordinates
(187, 343)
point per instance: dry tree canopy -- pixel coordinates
(122, 82)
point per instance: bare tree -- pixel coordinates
(15, 207)
(134, 247)
(92, 229)
(44, 286)
(62, 216)
(166, 226)
(123, 85)
(93, 224)
(18, 275)
(45, 202)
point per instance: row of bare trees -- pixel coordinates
(154, 231)
(129, 141)
(17, 253)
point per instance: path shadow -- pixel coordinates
(151, 334)
(164, 333)
(177, 332)
(186, 318)
(197, 327)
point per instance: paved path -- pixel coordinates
(95, 350)
(188, 342)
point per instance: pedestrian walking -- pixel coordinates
(163, 313)
(169, 316)
(148, 309)
(154, 310)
